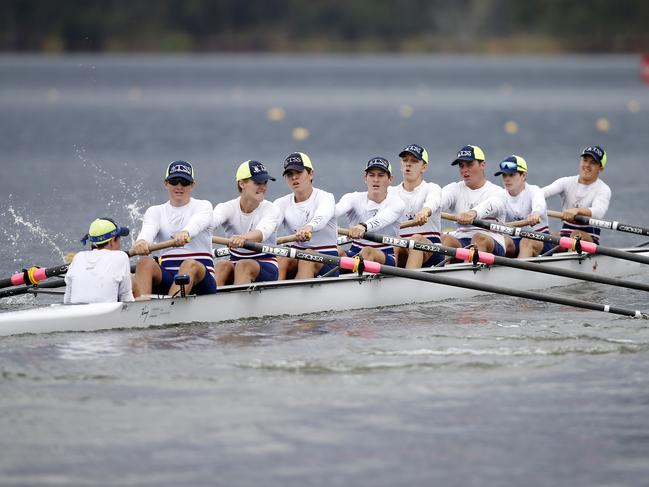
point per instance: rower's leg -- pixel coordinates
(307, 270)
(483, 242)
(583, 235)
(416, 258)
(224, 272)
(529, 248)
(147, 274)
(374, 255)
(402, 256)
(196, 272)
(510, 247)
(246, 271)
(450, 241)
(287, 268)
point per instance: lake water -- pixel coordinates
(496, 391)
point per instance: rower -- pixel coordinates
(374, 210)
(248, 217)
(462, 198)
(309, 214)
(585, 194)
(189, 222)
(100, 275)
(423, 205)
(524, 201)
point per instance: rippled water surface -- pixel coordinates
(495, 391)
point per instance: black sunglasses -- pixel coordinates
(177, 181)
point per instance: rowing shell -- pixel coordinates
(302, 297)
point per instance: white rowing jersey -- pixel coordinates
(319, 212)
(162, 222)
(595, 196)
(426, 195)
(383, 217)
(98, 276)
(265, 218)
(459, 198)
(529, 200)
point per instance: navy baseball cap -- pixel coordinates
(180, 169)
(254, 170)
(297, 161)
(469, 153)
(512, 165)
(597, 153)
(416, 150)
(380, 163)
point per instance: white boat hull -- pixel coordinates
(300, 297)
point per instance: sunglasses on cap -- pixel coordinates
(509, 165)
(177, 181)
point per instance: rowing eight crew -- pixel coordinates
(311, 214)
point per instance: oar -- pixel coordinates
(33, 275)
(610, 225)
(488, 258)
(37, 275)
(24, 289)
(225, 241)
(563, 242)
(356, 265)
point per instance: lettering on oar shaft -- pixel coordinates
(627, 228)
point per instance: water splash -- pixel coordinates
(121, 190)
(34, 228)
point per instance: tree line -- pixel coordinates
(426, 26)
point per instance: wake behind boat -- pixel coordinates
(305, 296)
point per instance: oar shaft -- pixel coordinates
(349, 263)
(33, 275)
(609, 225)
(24, 289)
(488, 258)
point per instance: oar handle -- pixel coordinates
(156, 246)
(288, 238)
(408, 224)
(518, 223)
(280, 240)
(449, 216)
(555, 214)
(221, 240)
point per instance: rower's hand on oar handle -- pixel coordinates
(236, 241)
(357, 231)
(182, 238)
(421, 217)
(569, 214)
(140, 247)
(534, 218)
(304, 233)
(467, 217)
